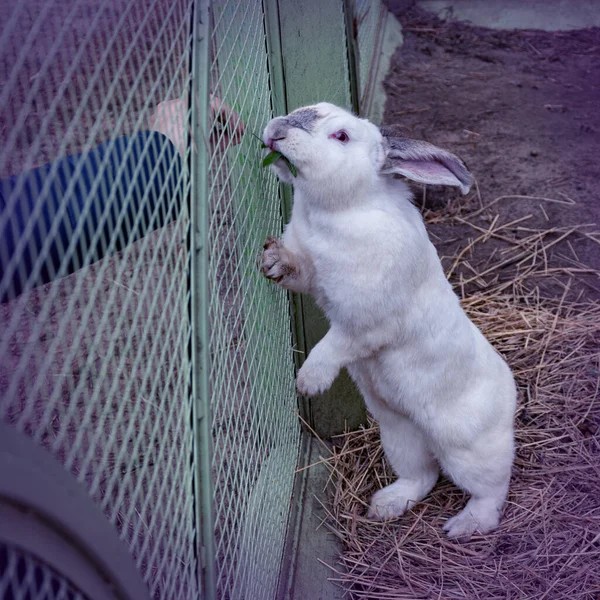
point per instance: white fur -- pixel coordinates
(441, 394)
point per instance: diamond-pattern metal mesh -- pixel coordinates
(24, 577)
(94, 260)
(95, 282)
(253, 396)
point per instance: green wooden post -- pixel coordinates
(315, 68)
(202, 422)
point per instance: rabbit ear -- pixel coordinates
(422, 162)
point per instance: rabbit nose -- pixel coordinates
(276, 130)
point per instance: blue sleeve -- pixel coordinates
(99, 202)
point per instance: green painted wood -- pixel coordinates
(315, 69)
(316, 544)
(202, 426)
(313, 43)
(279, 100)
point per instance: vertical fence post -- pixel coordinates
(279, 102)
(201, 423)
(315, 68)
(352, 49)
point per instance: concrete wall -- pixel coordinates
(551, 15)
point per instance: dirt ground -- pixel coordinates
(522, 108)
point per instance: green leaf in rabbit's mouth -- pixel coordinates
(273, 156)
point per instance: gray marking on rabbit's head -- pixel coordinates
(304, 118)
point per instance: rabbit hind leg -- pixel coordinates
(408, 453)
(484, 471)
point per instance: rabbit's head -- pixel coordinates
(336, 153)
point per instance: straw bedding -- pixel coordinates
(548, 544)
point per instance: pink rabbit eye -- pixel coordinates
(340, 136)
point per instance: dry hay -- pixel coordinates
(548, 544)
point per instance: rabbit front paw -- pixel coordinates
(277, 261)
(314, 378)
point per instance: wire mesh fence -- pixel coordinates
(97, 98)
(22, 575)
(252, 376)
(94, 261)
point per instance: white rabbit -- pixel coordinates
(440, 392)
